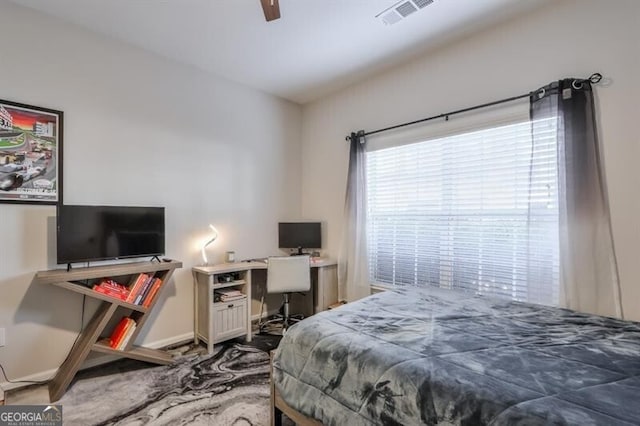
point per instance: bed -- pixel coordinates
(434, 356)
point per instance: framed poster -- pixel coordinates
(30, 154)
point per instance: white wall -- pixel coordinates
(139, 130)
(563, 39)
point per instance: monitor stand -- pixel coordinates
(299, 252)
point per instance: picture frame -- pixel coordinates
(31, 147)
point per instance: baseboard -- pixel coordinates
(37, 377)
(158, 344)
(378, 289)
(93, 362)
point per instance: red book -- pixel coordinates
(112, 290)
(109, 292)
(127, 335)
(149, 298)
(144, 289)
(123, 335)
(112, 285)
(132, 286)
(133, 293)
(117, 332)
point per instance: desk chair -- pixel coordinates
(287, 275)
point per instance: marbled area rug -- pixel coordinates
(229, 387)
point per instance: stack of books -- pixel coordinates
(228, 295)
(140, 291)
(112, 288)
(122, 333)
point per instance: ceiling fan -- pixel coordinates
(271, 9)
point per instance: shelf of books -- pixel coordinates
(128, 291)
(137, 295)
(136, 352)
(121, 340)
(227, 295)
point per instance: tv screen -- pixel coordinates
(299, 235)
(89, 233)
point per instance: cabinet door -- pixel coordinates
(229, 320)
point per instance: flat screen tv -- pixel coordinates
(90, 233)
(299, 235)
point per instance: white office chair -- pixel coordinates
(287, 275)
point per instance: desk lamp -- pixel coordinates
(204, 246)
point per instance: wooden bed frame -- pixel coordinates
(279, 407)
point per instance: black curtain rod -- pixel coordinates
(594, 79)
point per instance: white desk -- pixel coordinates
(220, 321)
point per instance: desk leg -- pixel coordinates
(316, 291)
(319, 304)
(327, 288)
(196, 341)
(249, 286)
(209, 310)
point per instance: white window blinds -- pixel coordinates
(476, 211)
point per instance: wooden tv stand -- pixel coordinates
(89, 338)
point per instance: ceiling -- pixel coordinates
(317, 47)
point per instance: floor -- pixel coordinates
(39, 394)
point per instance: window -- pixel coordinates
(476, 211)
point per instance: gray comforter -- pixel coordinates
(441, 357)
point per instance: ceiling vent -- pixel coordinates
(401, 10)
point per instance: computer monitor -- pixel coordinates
(299, 235)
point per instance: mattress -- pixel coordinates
(440, 357)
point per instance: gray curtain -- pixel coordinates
(588, 269)
(353, 270)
